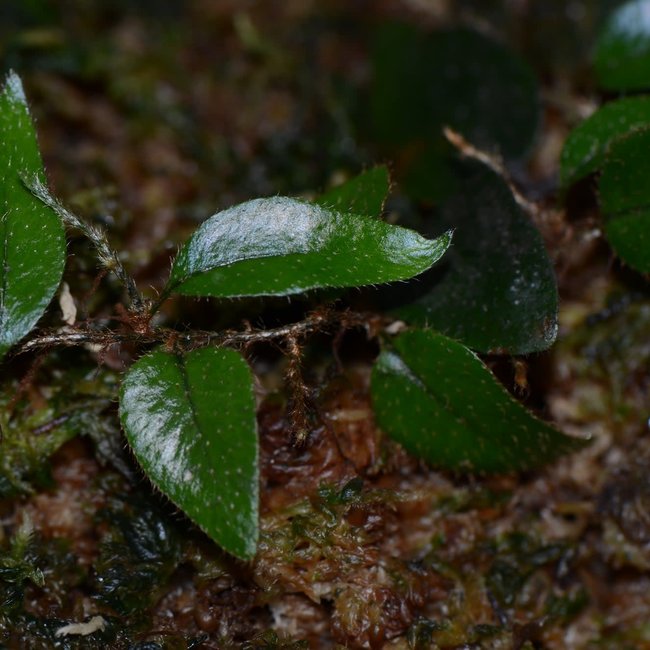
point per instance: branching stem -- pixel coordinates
(318, 321)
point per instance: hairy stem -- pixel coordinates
(107, 257)
(315, 322)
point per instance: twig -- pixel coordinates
(468, 150)
(316, 321)
(107, 257)
(299, 393)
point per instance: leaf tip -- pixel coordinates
(13, 87)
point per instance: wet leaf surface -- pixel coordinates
(625, 199)
(586, 147)
(190, 421)
(438, 400)
(281, 246)
(32, 243)
(495, 289)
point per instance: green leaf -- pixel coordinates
(436, 398)
(280, 246)
(363, 194)
(625, 198)
(458, 78)
(622, 57)
(585, 148)
(190, 420)
(495, 290)
(32, 240)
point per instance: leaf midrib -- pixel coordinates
(180, 364)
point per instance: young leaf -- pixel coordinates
(280, 246)
(625, 198)
(32, 241)
(497, 288)
(622, 58)
(436, 398)
(190, 420)
(363, 194)
(585, 148)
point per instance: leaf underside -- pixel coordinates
(190, 421)
(32, 240)
(281, 246)
(438, 400)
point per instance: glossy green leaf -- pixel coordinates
(496, 289)
(622, 56)
(585, 148)
(280, 246)
(458, 78)
(32, 241)
(625, 198)
(190, 420)
(437, 399)
(363, 194)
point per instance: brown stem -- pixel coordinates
(316, 321)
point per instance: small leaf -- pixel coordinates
(622, 58)
(625, 198)
(190, 420)
(585, 148)
(363, 194)
(495, 290)
(32, 240)
(281, 246)
(439, 401)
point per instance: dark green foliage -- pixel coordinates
(32, 245)
(625, 198)
(495, 289)
(622, 57)
(18, 565)
(28, 440)
(458, 78)
(518, 557)
(439, 401)
(585, 149)
(281, 246)
(202, 450)
(137, 558)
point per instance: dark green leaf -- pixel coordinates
(622, 58)
(496, 289)
(190, 420)
(457, 78)
(585, 148)
(439, 401)
(625, 198)
(363, 194)
(32, 241)
(280, 246)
